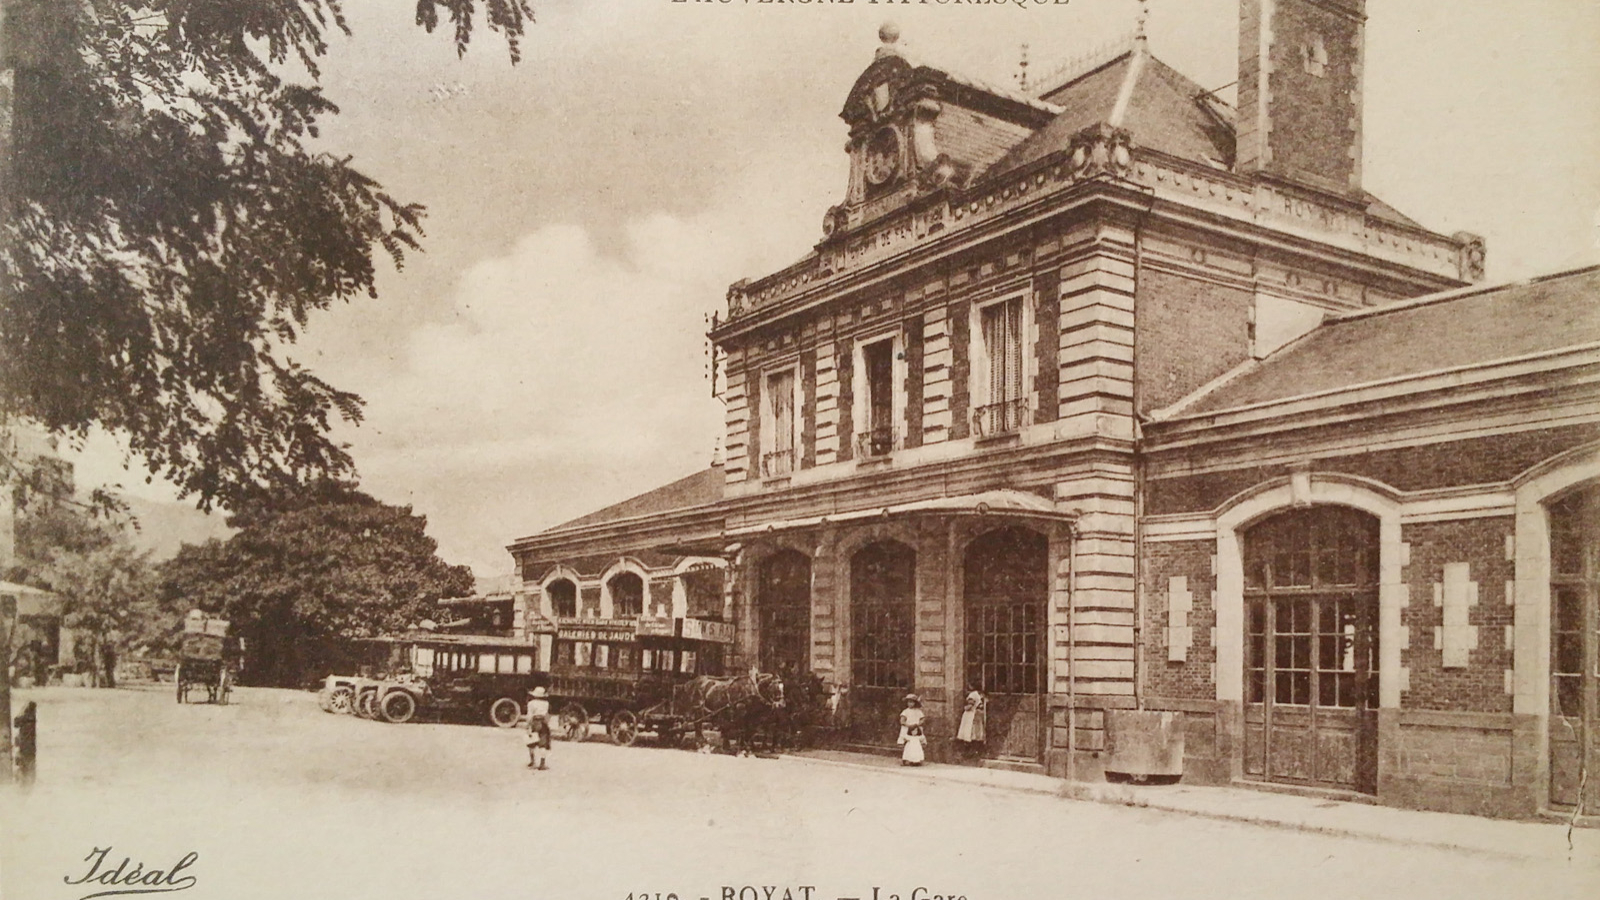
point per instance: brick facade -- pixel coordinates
(1481, 460)
(1190, 331)
(1194, 678)
(1482, 685)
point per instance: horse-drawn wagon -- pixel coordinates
(651, 675)
(208, 658)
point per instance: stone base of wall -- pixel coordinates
(1484, 764)
(1207, 737)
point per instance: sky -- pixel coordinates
(588, 208)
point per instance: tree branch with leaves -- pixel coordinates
(167, 229)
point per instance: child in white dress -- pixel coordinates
(911, 736)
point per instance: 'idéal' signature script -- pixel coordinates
(132, 877)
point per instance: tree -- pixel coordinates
(106, 587)
(166, 230)
(308, 567)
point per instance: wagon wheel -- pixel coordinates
(505, 712)
(574, 722)
(339, 700)
(623, 728)
(398, 707)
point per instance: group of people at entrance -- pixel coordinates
(970, 733)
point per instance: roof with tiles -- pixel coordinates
(699, 489)
(1457, 329)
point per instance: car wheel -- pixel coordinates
(574, 722)
(367, 705)
(505, 712)
(399, 707)
(339, 700)
(623, 728)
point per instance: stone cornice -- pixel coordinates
(1101, 166)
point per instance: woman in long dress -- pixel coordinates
(911, 736)
(971, 732)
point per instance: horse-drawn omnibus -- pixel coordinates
(660, 675)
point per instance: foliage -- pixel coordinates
(309, 566)
(105, 585)
(168, 229)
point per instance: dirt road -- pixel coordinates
(280, 800)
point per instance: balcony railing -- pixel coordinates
(878, 442)
(1000, 418)
(777, 463)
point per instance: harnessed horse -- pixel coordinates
(735, 706)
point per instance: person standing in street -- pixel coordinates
(538, 728)
(971, 732)
(911, 736)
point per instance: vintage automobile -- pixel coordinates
(442, 676)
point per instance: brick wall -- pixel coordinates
(1047, 318)
(808, 410)
(1190, 332)
(913, 387)
(845, 363)
(1194, 678)
(1480, 685)
(1474, 461)
(960, 368)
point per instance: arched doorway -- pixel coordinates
(563, 596)
(627, 595)
(783, 612)
(1005, 590)
(1575, 646)
(883, 611)
(1311, 648)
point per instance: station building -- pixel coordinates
(1110, 397)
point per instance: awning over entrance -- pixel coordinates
(999, 502)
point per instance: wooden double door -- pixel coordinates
(1311, 649)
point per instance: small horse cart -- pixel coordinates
(208, 658)
(651, 675)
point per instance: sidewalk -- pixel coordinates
(1526, 840)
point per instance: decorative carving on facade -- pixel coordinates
(1100, 150)
(1471, 255)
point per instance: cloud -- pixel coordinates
(565, 377)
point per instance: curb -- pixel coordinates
(1088, 792)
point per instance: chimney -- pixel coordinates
(1300, 91)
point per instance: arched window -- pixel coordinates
(1006, 585)
(563, 596)
(883, 613)
(627, 595)
(783, 612)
